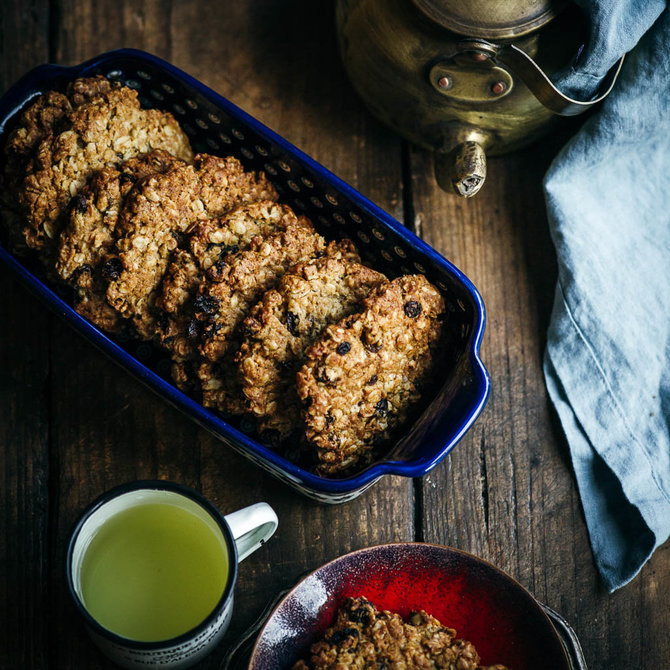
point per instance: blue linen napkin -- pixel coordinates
(607, 362)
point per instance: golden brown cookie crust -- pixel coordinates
(222, 305)
(104, 131)
(232, 287)
(88, 238)
(229, 292)
(37, 122)
(42, 117)
(284, 323)
(161, 210)
(210, 242)
(363, 374)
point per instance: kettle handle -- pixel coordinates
(544, 90)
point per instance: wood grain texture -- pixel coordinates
(74, 424)
(24, 477)
(24, 407)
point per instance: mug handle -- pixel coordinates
(252, 527)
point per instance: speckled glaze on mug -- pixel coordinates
(486, 606)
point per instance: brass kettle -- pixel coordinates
(463, 78)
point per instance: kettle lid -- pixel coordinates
(491, 19)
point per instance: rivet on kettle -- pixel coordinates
(498, 88)
(445, 83)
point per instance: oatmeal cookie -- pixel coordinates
(176, 330)
(42, 118)
(104, 131)
(210, 242)
(38, 121)
(231, 290)
(162, 209)
(88, 237)
(233, 285)
(365, 637)
(284, 323)
(363, 374)
(35, 124)
(219, 387)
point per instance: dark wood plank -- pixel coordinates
(24, 476)
(492, 238)
(24, 430)
(107, 428)
(507, 492)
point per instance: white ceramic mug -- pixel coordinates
(239, 533)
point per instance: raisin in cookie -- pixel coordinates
(284, 323)
(161, 210)
(363, 374)
(233, 285)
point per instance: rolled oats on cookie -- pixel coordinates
(39, 120)
(104, 131)
(231, 290)
(157, 215)
(366, 637)
(284, 323)
(364, 373)
(88, 238)
(210, 242)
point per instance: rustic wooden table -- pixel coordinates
(73, 425)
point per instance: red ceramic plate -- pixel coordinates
(486, 606)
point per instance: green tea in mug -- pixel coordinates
(153, 572)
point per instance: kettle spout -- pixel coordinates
(462, 170)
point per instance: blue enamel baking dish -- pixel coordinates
(215, 125)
